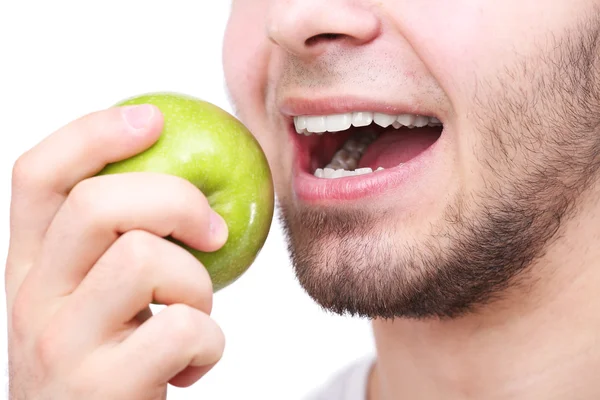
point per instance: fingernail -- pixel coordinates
(218, 227)
(138, 117)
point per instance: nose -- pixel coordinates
(306, 28)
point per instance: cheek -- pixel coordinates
(474, 40)
(245, 64)
(242, 57)
(463, 47)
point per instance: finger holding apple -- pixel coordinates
(207, 146)
(88, 249)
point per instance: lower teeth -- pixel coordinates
(346, 159)
(330, 173)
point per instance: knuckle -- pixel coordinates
(185, 323)
(135, 249)
(89, 123)
(215, 352)
(48, 347)
(97, 122)
(203, 298)
(83, 201)
(25, 172)
(197, 332)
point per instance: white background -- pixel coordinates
(61, 59)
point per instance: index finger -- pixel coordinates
(44, 175)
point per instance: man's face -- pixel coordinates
(460, 210)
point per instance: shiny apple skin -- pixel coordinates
(213, 150)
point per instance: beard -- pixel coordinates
(538, 150)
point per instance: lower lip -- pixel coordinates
(311, 189)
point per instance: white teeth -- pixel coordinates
(421, 121)
(406, 119)
(338, 173)
(300, 123)
(383, 120)
(339, 122)
(316, 124)
(307, 124)
(330, 173)
(362, 118)
(362, 171)
(434, 122)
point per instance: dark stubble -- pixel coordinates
(540, 150)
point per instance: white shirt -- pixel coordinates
(348, 384)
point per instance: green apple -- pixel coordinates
(210, 148)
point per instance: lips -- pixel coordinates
(404, 153)
(311, 189)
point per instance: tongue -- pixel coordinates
(395, 147)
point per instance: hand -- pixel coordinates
(87, 256)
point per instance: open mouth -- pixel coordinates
(360, 154)
(358, 143)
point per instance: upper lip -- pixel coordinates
(296, 106)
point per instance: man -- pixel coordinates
(474, 250)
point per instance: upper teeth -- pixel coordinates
(308, 124)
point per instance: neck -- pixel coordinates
(541, 342)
